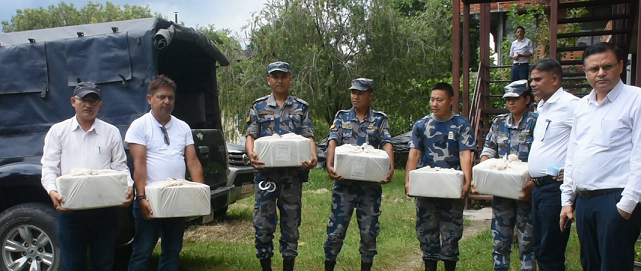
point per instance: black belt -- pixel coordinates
(526, 63)
(544, 180)
(591, 194)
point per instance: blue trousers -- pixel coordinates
(439, 227)
(286, 197)
(348, 195)
(97, 229)
(549, 242)
(519, 72)
(171, 230)
(607, 239)
(507, 214)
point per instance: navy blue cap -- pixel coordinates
(515, 89)
(84, 88)
(278, 66)
(362, 84)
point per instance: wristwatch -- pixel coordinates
(138, 198)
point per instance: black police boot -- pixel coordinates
(366, 266)
(266, 264)
(430, 265)
(288, 263)
(329, 265)
(450, 265)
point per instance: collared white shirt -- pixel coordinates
(605, 146)
(552, 133)
(522, 47)
(163, 160)
(67, 146)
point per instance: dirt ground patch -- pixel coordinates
(239, 232)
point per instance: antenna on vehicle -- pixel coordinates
(114, 29)
(176, 16)
(32, 41)
(80, 34)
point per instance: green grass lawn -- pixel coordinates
(229, 245)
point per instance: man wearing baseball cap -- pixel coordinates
(356, 126)
(512, 133)
(84, 141)
(278, 113)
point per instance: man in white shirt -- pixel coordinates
(546, 160)
(160, 146)
(603, 165)
(520, 51)
(84, 141)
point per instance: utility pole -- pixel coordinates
(176, 17)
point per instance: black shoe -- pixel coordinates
(329, 265)
(288, 263)
(450, 265)
(366, 266)
(430, 265)
(266, 264)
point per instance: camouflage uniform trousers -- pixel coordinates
(287, 197)
(507, 213)
(366, 198)
(439, 220)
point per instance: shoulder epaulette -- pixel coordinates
(261, 99)
(301, 101)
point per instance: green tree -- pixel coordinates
(331, 42)
(67, 14)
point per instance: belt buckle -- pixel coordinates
(536, 181)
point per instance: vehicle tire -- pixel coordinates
(29, 239)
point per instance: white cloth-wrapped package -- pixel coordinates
(289, 150)
(178, 198)
(436, 183)
(361, 163)
(499, 177)
(92, 189)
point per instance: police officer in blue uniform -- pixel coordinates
(512, 133)
(356, 126)
(441, 139)
(278, 113)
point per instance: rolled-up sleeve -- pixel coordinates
(307, 129)
(253, 127)
(336, 130)
(490, 147)
(385, 136)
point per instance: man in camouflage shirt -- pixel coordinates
(356, 126)
(512, 133)
(442, 139)
(278, 113)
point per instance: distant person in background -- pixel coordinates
(521, 52)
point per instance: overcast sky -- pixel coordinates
(231, 14)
